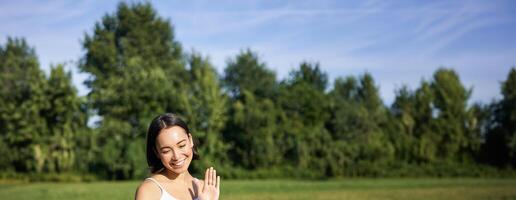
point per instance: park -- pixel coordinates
(309, 133)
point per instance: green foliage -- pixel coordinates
(64, 118)
(23, 100)
(452, 116)
(305, 110)
(254, 124)
(206, 113)
(247, 72)
(310, 73)
(413, 122)
(39, 116)
(426, 148)
(137, 72)
(500, 146)
(358, 123)
(434, 124)
(507, 115)
(402, 121)
(251, 128)
(248, 123)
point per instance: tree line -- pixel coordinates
(249, 123)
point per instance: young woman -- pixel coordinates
(170, 150)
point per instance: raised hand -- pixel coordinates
(211, 186)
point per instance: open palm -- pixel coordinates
(211, 186)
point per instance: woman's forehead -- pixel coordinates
(171, 135)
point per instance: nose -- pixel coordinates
(175, 154)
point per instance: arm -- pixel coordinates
(147, 191)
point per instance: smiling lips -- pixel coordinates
(178, 164)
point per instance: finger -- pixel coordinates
(214, 177)
(211, 176)
(207, 177)
(217, 185)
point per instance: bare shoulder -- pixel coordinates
(147, 191)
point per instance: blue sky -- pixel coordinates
(398, 42)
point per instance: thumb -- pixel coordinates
(198, 185)
(197, 182)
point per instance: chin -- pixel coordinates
(179, 171)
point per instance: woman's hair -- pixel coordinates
(159, 123)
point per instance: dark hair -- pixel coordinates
(156, 126)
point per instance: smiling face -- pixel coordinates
(174, 149)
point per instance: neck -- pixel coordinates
(175, 177)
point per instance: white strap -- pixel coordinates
(156, 182)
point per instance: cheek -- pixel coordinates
(165, 157)
(188, 152)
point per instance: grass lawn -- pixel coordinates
(467, 188)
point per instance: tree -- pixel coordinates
(452, 116)
(403, 119)
(481, 120)
(65, 118)
(304, 94)
(304, 107)
(251, 127)
(425, 150)
(206, 112)
(357, 125)
(344, 99)
(255, 131)
(22, 102)
(39, 116)
(508, 115)
(247, 72)
(137, 72)
(500, 144)
(310, 73)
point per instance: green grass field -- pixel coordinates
(285, 189)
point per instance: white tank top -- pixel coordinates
(164, 194)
